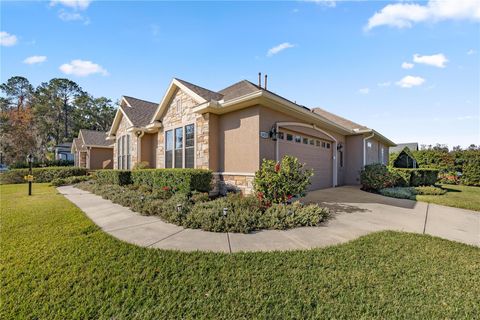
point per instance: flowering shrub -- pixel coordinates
(278, 182)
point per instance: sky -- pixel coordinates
(410, 70)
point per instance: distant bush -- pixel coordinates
(448, 178)
(41, 174)
(57, 182)
(42, 164)
(471, 172)
(411, 192)
(414, 177)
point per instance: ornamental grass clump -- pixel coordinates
(279, 182)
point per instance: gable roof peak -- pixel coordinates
(204, 93)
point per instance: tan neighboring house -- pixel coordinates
(230, 131)
(91, 150)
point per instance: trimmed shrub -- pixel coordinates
(278, 182)
(177, 180)
(115, 177)
(471, 172)
(399, 192)
(41, 174)
(57, 182)
(42, 164)
(414, 177)
(281, 216)
(376, 176)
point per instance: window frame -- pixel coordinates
(173, 130)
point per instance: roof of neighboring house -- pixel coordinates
(141, 111)
(64, 145)
(94, 138)
(412, 146)
(202, 92)
(339, 120)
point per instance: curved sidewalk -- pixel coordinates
(356, 213)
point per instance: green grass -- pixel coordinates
(55, 264)
(457, 196)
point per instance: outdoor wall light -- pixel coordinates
(339, 147)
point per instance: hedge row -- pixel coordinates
(414, 177)
(182, 180)
(42, 164)
(41, 174)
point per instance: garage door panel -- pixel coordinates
(317, 158)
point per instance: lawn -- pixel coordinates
(457, 196)
(56, 264)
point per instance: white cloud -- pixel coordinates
(35, 59)
(410, 81)
(280, 47)
(407, 65)
(437, 60)
(7, 39)
(364, 91)
(471, 51)
(82, 68)
(404, 15)
(326, 3)
(74, 4)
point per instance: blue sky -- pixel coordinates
(345, 57)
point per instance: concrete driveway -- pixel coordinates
(355, 213)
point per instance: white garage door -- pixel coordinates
(316, 156)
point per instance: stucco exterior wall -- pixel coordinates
(374, 152)
(148, 149)
(179, 114)
(238, 141)
(353, 159)
(100, 158)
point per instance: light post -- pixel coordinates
(30, 175)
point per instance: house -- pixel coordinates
(412, 146)
(91, 150)
(404, 159)
(231, 130)
(63, 151)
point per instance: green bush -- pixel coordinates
(430, 191)
(448, 178)
(411, 192)
(376, 176)
(57, 182)
(471, 172)
(178, 180)
(278, 182)
(113, 177)
(42, 164)
(281, 216)
(414, 177)
(41, 174)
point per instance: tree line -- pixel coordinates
(34, 120)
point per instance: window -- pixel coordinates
(312, 142)
(298, 139)
(289, 137)
(328, 145)
(323, 144)
(180, 147)
(317, 143)
(280, 135)
(305, 140)
(369, 144)
(340, 154)
(123, 152)
(178, 159)
(169, 149)
(189, 146)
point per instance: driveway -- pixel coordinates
(355, 213)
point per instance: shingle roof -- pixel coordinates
(339, 120)
(141, 112)
(412, 146)
(238, 89)
(95, 138)
(202, 92)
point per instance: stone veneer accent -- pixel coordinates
(224, 183)
(180, 115)
(122, 130)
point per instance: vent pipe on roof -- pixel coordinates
(265, 82)
(260, 80)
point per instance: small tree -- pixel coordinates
(278, 182)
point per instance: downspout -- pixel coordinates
(365, 148)
(139, 134)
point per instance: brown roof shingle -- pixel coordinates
(202, 92)
(141, 111)
(95, 138)
(339, 120)
(238, 89)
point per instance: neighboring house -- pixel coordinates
(91, 150)
(232, 130)
(404, 159)
(62, 151)
(412, 146)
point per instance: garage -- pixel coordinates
(314, 151)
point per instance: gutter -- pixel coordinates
(365, 147)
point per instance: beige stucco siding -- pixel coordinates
(353, 159)
(238, 141)
(148, 149)
(100, 158)
(374, 152)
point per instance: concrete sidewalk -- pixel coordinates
(356, 213)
